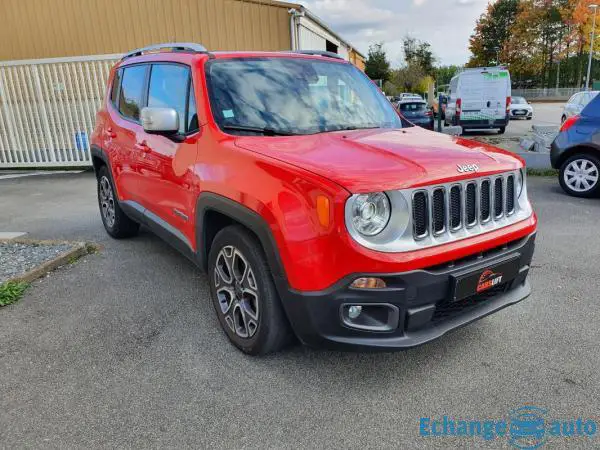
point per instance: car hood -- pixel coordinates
(383, 159)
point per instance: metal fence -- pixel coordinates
(560, 93)
(48, 108)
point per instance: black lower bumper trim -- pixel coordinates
(422, 299)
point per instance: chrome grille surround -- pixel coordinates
(405, 239)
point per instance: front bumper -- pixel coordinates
(514, 115)
(418, 299)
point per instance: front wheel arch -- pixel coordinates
(215, 212)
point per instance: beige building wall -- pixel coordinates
(33, 29)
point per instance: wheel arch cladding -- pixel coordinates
(214, 212)
(577, 150)
(99, 158)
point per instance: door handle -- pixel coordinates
(110, 133)
(143, 146)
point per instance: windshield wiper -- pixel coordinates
(355, 127)
(265, 131)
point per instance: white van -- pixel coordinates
(479, 98)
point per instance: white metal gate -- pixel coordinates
(48, 109)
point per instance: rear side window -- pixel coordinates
(115, 87)
(132, 91)
(169, 89)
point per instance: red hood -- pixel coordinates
(380, 160)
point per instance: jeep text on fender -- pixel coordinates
(291, 180)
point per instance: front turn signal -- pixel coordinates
(323, 211)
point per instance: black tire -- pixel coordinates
(529, 118)
(501, 130)
(265, 328)
(589, 161)
(116, 223)
(563, 119)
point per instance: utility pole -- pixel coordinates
(587, 79)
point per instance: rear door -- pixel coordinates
(124, 129)
(484, 94)
(471, 93)
(495, 93)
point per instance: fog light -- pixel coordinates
(368, 283)
(354, 311)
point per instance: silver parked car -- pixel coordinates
(576, 103)
(520, 109)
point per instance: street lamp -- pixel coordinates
(587, 79)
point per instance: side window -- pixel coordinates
(169, 89)
(115, 87)
(192, 117)
(132, 90)
(586, 98)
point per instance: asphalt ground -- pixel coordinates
(123, 348)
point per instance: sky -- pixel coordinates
(445, 24)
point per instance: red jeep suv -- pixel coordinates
(316, 212)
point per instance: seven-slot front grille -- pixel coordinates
(451, 208)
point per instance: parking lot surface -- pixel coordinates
(123, 349)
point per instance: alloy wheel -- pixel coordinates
(237, 292)
(107, 201)
(581, 175)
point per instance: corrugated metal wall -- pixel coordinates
(31, 29)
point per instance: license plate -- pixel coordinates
(482, 280)
(519, 113)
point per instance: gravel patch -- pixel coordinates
(17, 258)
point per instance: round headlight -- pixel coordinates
(520, 182)
(371, 213)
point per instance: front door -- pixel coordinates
(166, 186)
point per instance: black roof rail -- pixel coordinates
(320, 53)
(174, 46)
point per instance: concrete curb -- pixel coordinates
(535, 160)
(77, 250)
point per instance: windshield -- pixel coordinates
(413, 107)
(518, 101)
(294, 96)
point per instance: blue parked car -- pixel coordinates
(575, 152)
(416, 111)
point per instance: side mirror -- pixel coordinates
(160, 120)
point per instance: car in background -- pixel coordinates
(575, 152)
(520, 109)
(416, 112)
(576, 103)
(479, 98)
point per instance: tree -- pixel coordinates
(492, 32)
(377, 67)
(443, 74)
(419, 53)
(408, 78)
